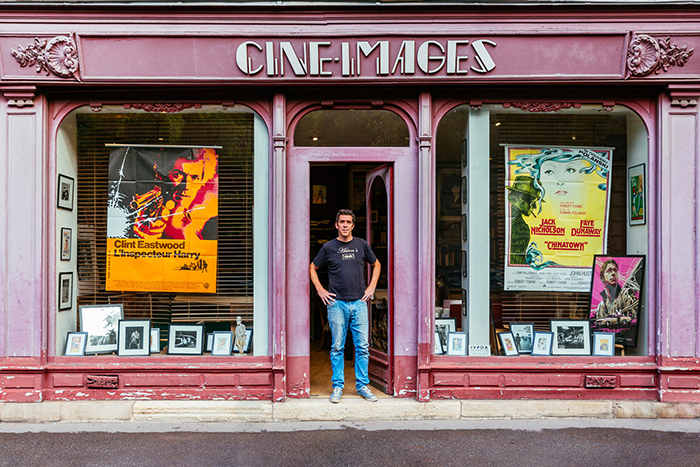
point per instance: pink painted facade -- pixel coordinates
(283, 64)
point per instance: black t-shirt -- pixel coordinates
(346, 261)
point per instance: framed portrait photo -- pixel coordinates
(222, 343)
(66, 237)
(101, 322)
(571, 336)
(186, 339)
(542, 343)
(603, 344)
(75, 344)
(65, 291)
(437, 345)
(134, 337)
(66, 187)
(508, 344)
(155, 340)
(522, 335)
(617, 289)
(444, 326)
(457, 344)
(636, 195)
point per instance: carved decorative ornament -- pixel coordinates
(541, 106)
(600, 382)
(161, 108)
(102, 382)
(647, 55)
(58, 56)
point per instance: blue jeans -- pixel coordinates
(341, 316)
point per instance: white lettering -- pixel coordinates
(424, 57)
(345, 58)
(365, 49)
(483, 57)
(315, 61)
(454, 60)
(243, 60)
(407, 58)
(271, 60)
(299, 66)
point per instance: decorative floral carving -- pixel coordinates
(540, 106)
(605, 382)
(646, 55)
(102, 382)
(58, 55)
(167, 108)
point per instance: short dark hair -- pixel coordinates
(605, 266)
(345, 212)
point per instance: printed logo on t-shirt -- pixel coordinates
(347, 256)
(347, 253)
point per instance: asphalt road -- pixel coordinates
(464, 443)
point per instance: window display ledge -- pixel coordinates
(524, 363)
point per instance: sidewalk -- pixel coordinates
(350, 409)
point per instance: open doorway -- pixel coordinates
(364, 189)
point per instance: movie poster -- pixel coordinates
(162, 219)
(556, 216)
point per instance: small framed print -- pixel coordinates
(464, 228)
(457, 344)
(464, 302)
(246, 342)
(542, 343)
(186, 339)
(571, 336)
(222, 343)
(210, 341)
(134, 338)
(75, 344)
(437, 345)
(636, 196)
(65, 291)
(464, 263)
(508, 344)
(66, 236)
(101, 323)
(449, 194)
(319, 194)
(444, 326)
(66, 186)
(522, 335)
(155, 340)
(604, 344)
(465, 152)
(464, 190)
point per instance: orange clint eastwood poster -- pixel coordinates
(162, 219)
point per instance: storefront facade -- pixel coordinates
(293, 113)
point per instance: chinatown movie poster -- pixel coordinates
(616, 295)
(556, 216)
(162, 219)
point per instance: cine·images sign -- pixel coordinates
(326, 58)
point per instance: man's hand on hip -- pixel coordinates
(369, 292)
(326, 297)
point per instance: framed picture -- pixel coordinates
(319, 194)
(246, 345)
(75, 344)
(604, 344)
(542, 343)
(464, 190)
(508, 344)
(449, 194)
(185, 339)
(571, 336)
(457, 344)
(636, 195)
(101, 322)
(464, 302)
(155, 340)
(465, 233)
(616, 295)
(134, 337)
(65, 290)
(65, 192)
(522, 335)
(464, 263)
(210, 341)
(465, 152)
(222, 343)
(66, 236)
(444, 326)
(437, 345)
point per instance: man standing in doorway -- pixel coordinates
(346, 300)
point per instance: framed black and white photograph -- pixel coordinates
(449, 194)
(246, 343)
(457, 344)
(465, 152)
(210, 341)
(571, 337)
(65, 290)
(75, 344)
(636, 195)
(465, 233)
(101, 322)
(437, 345)
(186, 339)
(222, 343)
(66, 186)
(155, 340)
(604, 344)
(464, 190)
(66, 237)
(134, 337)
(508, 344)
(463, 263)
(522, 334)
(542, 343)
(444, 326)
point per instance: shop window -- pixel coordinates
(346, 128)
(171, 223)
(553, 203)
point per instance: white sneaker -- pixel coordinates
(367, 394)
(337, 394)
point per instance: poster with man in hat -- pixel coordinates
(556, 216)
